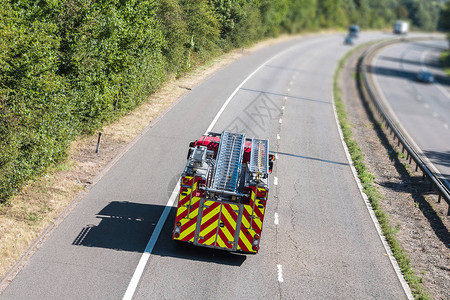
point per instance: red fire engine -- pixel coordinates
(223, 192)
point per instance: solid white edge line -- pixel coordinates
(369, 207)
(151, 243)
(149, 248)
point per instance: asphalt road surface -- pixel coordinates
(319, 241)
(421, 109)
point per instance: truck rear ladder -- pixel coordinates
(229, 161)
(259, 157)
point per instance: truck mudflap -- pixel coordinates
(216, 224)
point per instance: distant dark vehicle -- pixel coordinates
(349, 40)
(425, 76)
(353, 31)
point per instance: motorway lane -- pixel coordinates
(324, 245)
(422, 110)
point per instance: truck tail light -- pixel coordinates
(255, 244)
(177, 230)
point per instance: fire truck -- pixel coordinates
(223, 192)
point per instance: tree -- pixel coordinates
(401, 12)
(273, 14)
(445, 19)
(175, 34)
(301, 15)
(364, 12)
(202, 26)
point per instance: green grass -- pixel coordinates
(445, 60)
(401, 155)
(374, 196)
(33, 216)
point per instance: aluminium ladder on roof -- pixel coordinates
(259, 157)
(229, 161)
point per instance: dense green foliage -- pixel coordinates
(424, 14)
(445, 19)
(445, 23)
(69, 66)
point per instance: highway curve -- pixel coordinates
(422, 110)
(318, 242)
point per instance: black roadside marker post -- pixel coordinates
(98, 143)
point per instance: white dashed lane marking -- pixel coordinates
(276, 219)
(275, 180)
(280, 273)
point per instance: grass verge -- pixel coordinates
(445, 60)
(367, 181)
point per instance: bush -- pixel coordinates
(35, 120)
(112, 57)
(68, 68)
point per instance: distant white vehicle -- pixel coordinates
(401, 27)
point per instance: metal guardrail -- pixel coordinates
(439, 186)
